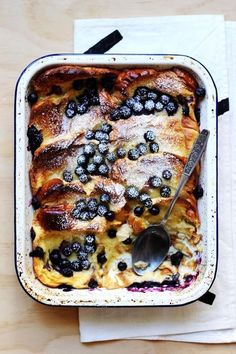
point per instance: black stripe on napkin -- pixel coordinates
(105, 44)
(223, 106)
(208, 298)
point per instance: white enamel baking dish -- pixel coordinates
(207, 204)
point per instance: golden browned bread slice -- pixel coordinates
(108, 149)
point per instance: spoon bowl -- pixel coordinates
(154, 243)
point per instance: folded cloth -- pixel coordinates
(202, 37)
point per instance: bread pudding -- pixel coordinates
(108, 149)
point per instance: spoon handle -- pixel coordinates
(193, 159)
(196, 152)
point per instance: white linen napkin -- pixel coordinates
(202, 37)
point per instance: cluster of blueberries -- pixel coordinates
(145, 101)
(59, 257)
(88, 98)
(156, 182)
(88, 209)
(94, 158)
(132, 193)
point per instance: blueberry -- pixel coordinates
(110, 215)
(198, 192)
(120, 153)
(84, 216)
(102, 210)
(133, 154)
(154, 147)
(89, 249)
(149, 106)
(89, 150)
(66, 272)
(155, 182)
(92, 204)
(82, 160)
(149, 136)
(138, 108)
(128, 241)
(200, 92)
(108, 82)
(35, 138)
(104, 198)
(67, 176)
(154, 210)
(111, 233)
(78, 84)
(81, 255)
(75, 213)
(115, 115)
(35, 203)
(81, 204)
(122, 266)
(55, 257)
(165, 191)
(176, 258)
(83, 100)
(76, 266)
(65, 263)
(101, 258)
(90, 239)
(137, 98)
(142, 148)
(71, 108)
(171, 108)
(145, 200)
(159, 106)
(130, 102)
(94, 99)
(65, 248)
(70, 113)
(32, 234)
(166, 174)
(101, 136)
(89, 135)
(92, 215)
(106, 128)
(103, 170)
(142, 92)
(138, 210)
(37, 252)
(111, 157)
(125, 112)
(164, 99)
(92, 284)
(132, 192)
(76, 246)
(103, 148)
(79, 170)
(185, 110)
(152, 95)
(98, 159)
(91, 168)
(32, 98)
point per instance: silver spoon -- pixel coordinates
(152, 245)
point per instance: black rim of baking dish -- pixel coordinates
(15, 163)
